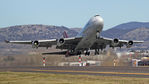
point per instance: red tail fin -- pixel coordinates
(65, 34)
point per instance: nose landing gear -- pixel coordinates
(97, 35)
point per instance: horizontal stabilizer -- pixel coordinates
(6, 41)
(52, 53)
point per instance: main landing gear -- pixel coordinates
(96, 52)
(87, 53)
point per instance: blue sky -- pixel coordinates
(72, 13)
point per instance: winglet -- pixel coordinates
(65, 34)
(7, 41)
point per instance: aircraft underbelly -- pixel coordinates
(88, 40)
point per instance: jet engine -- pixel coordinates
(35, 44)
(115, 42)
(60, 42)
(129, 44)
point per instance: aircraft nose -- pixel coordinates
(99, 19)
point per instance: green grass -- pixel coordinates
(46, 78)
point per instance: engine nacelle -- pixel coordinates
(129, 44)
(35, 44)
(115, 42)
(60, 42)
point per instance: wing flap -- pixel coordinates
(49, 43)
(121, 41)
(103, 41)
(19, 42)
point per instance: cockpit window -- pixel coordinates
(97, 15)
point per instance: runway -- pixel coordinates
(141, 72)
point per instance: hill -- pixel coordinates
(34, 32)
(128, 29)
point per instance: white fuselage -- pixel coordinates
(89, 32)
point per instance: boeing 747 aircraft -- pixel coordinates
(89, 38)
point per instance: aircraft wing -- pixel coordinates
(102, 41)
(71, 43)
(63, 43)
(120, 41)
(19, 42)
(30, 42)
